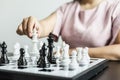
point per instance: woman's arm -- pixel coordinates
(111, 52)
(48, 24)
(44, 27)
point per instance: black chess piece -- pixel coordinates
(22, 62)
(42, 62)
(4, 58)
(50, 56)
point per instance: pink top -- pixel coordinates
(92, 28)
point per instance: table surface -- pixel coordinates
(110, 73)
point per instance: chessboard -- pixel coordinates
(12, 72)
(44, 63)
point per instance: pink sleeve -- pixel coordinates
(115, 22)
(58, 25)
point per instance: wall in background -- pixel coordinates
(13, 11)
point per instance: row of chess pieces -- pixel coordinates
(44, 56)
(79, 57)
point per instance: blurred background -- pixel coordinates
(12, 13)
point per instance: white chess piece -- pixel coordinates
(40, 47)
(16, 52)
(65, 60)
(62, 48)
(26, 51)
(74, 64)
(66, 52)
(85, 58)
(35, 51)
(87, 54)
(79, 53)
(57, 55)
(41, 44)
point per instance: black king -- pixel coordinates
(50, 56)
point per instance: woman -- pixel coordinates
(81, 23)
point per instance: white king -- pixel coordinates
(35, 50)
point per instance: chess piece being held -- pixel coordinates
(35, 52)
(4, 58)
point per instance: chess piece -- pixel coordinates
(22, 62)
(85, 58)
(50, 56)
(79, 54)
(4, 58)
(57, 56)
(42, 62)
(40, 47)
(87, 54)
(65, 60)
(62, 49)
(16, 52)
(41, 44)
(26, 51)
(74, 64)
(35, 51)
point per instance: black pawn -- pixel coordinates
(50, 56)
(4, 58)
(22, 62)
(42, 62)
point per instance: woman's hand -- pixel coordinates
(27, 26)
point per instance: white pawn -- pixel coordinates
(66, 52)
(87, 54)
(65, 60)
(63, 46)
(57, 55)
(79, 53)
(16, 52)
(85, 58)
(74, 64)
(26, 51)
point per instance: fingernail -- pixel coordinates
(30, 34)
